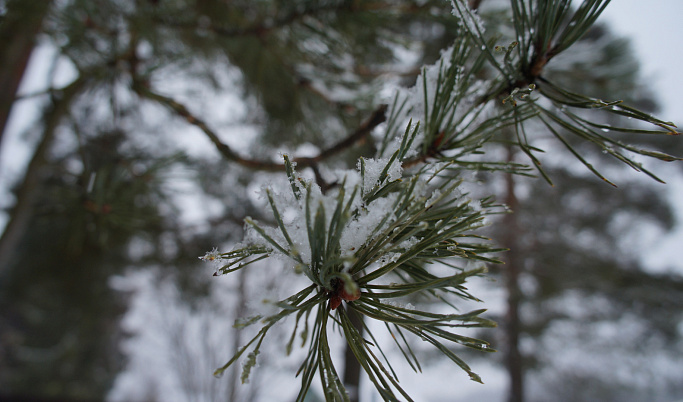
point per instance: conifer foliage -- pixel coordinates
(371, 209)
(387, 229)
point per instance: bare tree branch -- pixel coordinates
(377, 117)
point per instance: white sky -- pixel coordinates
(656, 32)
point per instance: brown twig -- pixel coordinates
(377, 117)
(474, 4)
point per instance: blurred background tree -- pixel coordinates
(175, 113)
(574, 271)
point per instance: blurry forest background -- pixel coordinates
(152, 124)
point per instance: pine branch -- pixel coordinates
(544, 29)
(349, 248)
(375, 238)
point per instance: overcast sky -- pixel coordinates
(657, 33)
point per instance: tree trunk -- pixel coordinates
(511, 272)
(18, 31)
(25, 194)
(240, 311)
(352, 367)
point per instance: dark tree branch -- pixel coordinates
(377, 117)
